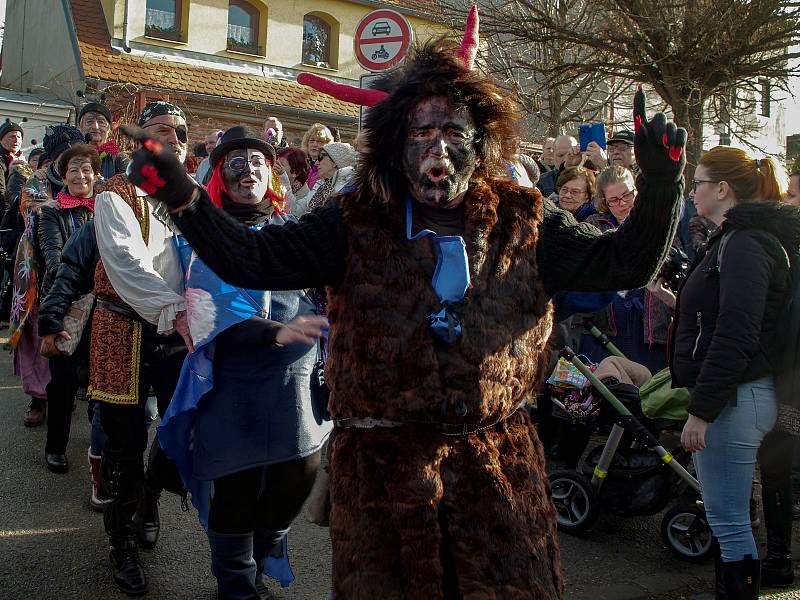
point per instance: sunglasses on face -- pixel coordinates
(239, 163)
(324, 155)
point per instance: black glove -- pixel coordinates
(157, 170)
(659, 146)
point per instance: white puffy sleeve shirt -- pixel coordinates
(147, 277)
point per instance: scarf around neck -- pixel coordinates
(67, 201)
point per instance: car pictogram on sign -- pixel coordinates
(381, 28)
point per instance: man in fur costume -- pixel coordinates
(440, 278)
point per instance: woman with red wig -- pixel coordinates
(242, 421)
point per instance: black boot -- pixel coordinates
(719, 584)
(126, 567)
(776, 568)
(742, 578)
(233, 565)
(146, 521)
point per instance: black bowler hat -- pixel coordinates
(237, 138)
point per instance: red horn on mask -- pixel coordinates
(469, 45)
(341, 91)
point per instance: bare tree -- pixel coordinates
(689, 51)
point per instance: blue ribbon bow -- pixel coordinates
(450, 280)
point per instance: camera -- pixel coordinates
(675, 268)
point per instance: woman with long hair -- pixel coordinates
(726, 336)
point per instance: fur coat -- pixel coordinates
(416, 513)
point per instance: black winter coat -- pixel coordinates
(12, 224)
(726, 328)
(54, 228)
(74, 278)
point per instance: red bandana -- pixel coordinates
(67, 201)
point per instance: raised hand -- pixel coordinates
(157, 170)
(659, 146)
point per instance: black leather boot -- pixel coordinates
(719, 584)
(146, 521)
(742, 579)
(125, 566)
(776, 568)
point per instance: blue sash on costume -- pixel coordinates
(213, 306)
(450, 280)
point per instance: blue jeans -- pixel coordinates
(725, 467)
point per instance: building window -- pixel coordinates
(163, 19)
(316, 41)
(766, 94)
(243, 21)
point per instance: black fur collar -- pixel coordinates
(781, 220)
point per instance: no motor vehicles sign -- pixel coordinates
(382, 39)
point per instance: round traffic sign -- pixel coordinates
(382, 39)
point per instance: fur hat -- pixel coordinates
(9, 126)
(433, 70)
(343, 155)
(58, 138)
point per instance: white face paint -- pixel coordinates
(246, 174)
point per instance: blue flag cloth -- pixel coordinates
(212, 307)
(450, 279)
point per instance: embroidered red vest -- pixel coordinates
(114, 353)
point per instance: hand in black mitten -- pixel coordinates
(659, 146)
(157, 170)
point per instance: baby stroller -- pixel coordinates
(632, 474)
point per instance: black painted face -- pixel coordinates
(439, 157)
(246, 182)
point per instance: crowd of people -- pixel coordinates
(408, 324)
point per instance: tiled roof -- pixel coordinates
(100, 61)
(422, 7)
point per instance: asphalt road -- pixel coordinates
(52, 547)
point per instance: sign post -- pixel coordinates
(382, 40)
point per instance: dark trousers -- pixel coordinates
(264, 500)
(124, 424)
(67, 374)
(775, 462)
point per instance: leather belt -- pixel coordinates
(454, 429)
(121, 309)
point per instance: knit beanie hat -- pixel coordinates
(58, 138)
(95, 107)
(9, 126)
(344, 155)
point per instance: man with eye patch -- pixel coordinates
(139, 340)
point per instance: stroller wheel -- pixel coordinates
(686, 533)
(575, 500)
